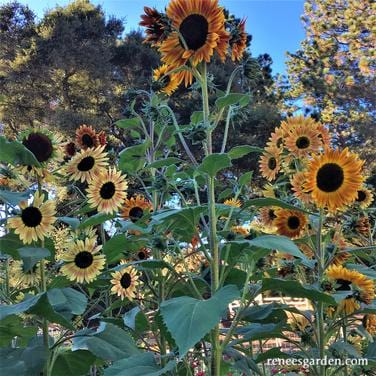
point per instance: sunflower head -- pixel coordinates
(268, 214)
(135, 208)
(270, 163)
(334, 178)
(290, 223)
(70, 149)
(238, 40)
(369, 323)
(364, 197)
(86, 137)
(125, 282)
(157, 26)
(164, 81)
(233, 202)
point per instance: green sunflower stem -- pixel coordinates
(216, 356)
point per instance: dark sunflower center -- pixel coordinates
(141, 255)
(343, 285)
(86, 164)
(302, 142)
(108, 190)
(272, 163)
(194, 30)
(330, 177)
(361, 196)
(271, 214)
(40, 145)
(135, 214)
(125, 280)
(31, 216)
(87, 140)
(83, 259)
(293, 222)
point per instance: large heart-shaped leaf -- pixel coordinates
(189, 320)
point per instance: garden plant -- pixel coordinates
(154, 259)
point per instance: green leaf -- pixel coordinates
(369, 272)
(73, 363)
(242, 150)
(273, 353)
(9, 244)
(245, 178)
(232, 99)
(138, 365)
(280, 243)
(13, 198)
(295, 289)
(15, 153)
(96, 219)
(72, 222)
(11, 362)
(128, 123)
(136, 320)
(214, 163)
(133, 158)
(108, 342)
(344, 348)
(164, 162)
(114, 248)
(225, 194)
(257, 331)
(189, 320)
(261, 202)
(197, 117)
(67, 301)
(13, 326)
(30, 256)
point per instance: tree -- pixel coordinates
(333, 71)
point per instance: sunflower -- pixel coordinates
(43, 144)
(241, 230)
(82, 261)
(70, 149)
(303, 139)
(238, 41)
(297, 183)
(167, 83)
(135, 208)
(360, 288)
(35, 221)
(276, 138)
(362, 226)
(125, 282)
(270, 163)
(269, 191)
(268, 214)
(86, 137)
(290, 223)
(369, 323)
(108, 191)
(156, 24)
(233, 202)
(364, 198)
(143, 254)
(339, 244)
(334, 178)
(324, 135)
(19, 276)
(297, 322)
(87, 164)
(199, 26)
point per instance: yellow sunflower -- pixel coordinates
(35, 221)
(86, 137)
(268, 214)
(369, 323)
(20, 277)
(135, 207)
(107, 191)
(364, 198)
(334, 178)
(303, 139)
(233, 202)
(270, 163)
(360, 288)
(200, 30)
(125, 282)
(82, 261)
(290, 223)
(276, 138)
(167, 83)
(238, 41)
(241, 230)
(269, 191)
(87, 164)
(297, 183)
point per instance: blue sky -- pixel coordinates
(274, 24)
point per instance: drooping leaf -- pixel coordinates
(232, 99)
(214, 163)
(73, 363)
(15, 153)
(13, 198)
(242, 150)
(12, 326)
(189, 320)
(164, 162)
(128, 123)
(30, 256)
(9, 244)
(108, 342)
(96, 219)
(72, 222)
(245, 178)
(133, 158)
(136, 320)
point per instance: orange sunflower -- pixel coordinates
(135, 207)
(156, 25)
(334, 178)
(86, 137)
(268, 215)
(238, 41)
(290, 223)
(167, 83)
(297, 183)
(107, 191)
(199, 31)
(365, 197)
(270, 163)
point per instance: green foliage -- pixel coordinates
(15, 153)
(73, 363)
